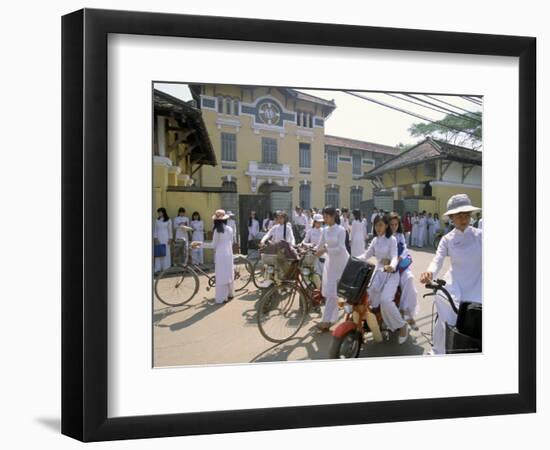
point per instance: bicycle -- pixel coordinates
(283, 307)
(465, 335)
(178, 284)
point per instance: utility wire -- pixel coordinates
(433, 107)
(418, 116)
(473, 119)
(475, 101)
(415, 103)
(454, 106)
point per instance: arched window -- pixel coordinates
(236, 107)
(220, 105)
(332, 197)
(228, 103)
(305, 196)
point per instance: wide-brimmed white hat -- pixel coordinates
(318, 218)
(460, 203)
(220, 215)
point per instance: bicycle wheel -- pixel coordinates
(259, 274)
(243, 273)
(281, 312)
(176, 286)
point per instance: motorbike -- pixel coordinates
(359, 320)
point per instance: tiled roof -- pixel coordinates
(337, 141)
(191, 117)
(428, 149)
(310, 98)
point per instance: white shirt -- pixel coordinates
(400, 237)
(382, 248)
(300, 219)
(233, 225)
(276, 232)
(334, 238)
(178, 221)
(313, 236)
(465, 274)
(253, 229)
(480, 224)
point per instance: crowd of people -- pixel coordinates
(338, 234)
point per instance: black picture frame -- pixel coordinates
(84, 224)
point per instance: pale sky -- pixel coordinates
(356, 118)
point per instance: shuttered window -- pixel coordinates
(229, 147)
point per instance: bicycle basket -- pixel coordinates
(353, 280)
(269, 260)
(308, 260)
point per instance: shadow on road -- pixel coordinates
(374, 349)
(204, 309)
(314, 344)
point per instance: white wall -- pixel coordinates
(454, 174)
(30, 331)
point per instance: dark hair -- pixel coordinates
(435, 214)
(386, 219)
(164, 214)
(330, 211)
(400, 224)
(196, 213)
(218, 225)
(181, 210)
(356, 214)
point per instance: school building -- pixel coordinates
(425, 176)
(246, 148)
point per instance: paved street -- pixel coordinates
(202, 332)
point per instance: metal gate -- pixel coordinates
(384, 200)
(261, 204)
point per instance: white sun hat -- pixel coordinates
(460, 203)
(318, 218)
(220, 215)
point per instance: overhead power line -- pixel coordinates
(404, 111)
(415, 103)
(471, 99)
(453, 106)
(473, 119)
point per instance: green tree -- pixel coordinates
(459, 130)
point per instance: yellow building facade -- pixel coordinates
(424, 177)
(269, 151)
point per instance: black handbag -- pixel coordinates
(354, 279)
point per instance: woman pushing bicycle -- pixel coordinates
(464, 246)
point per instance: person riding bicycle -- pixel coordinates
(463, 245)
(282, 231)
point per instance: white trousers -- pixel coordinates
(409, 300)
(197, 256)
(384, 298)
(445, 315)
(163, 262)
(223, 291)
(330, 314)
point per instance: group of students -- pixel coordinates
(167, 230)
(463, 244)
(335, 237)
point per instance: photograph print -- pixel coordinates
(297, 224)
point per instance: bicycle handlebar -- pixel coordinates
(437, 285)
